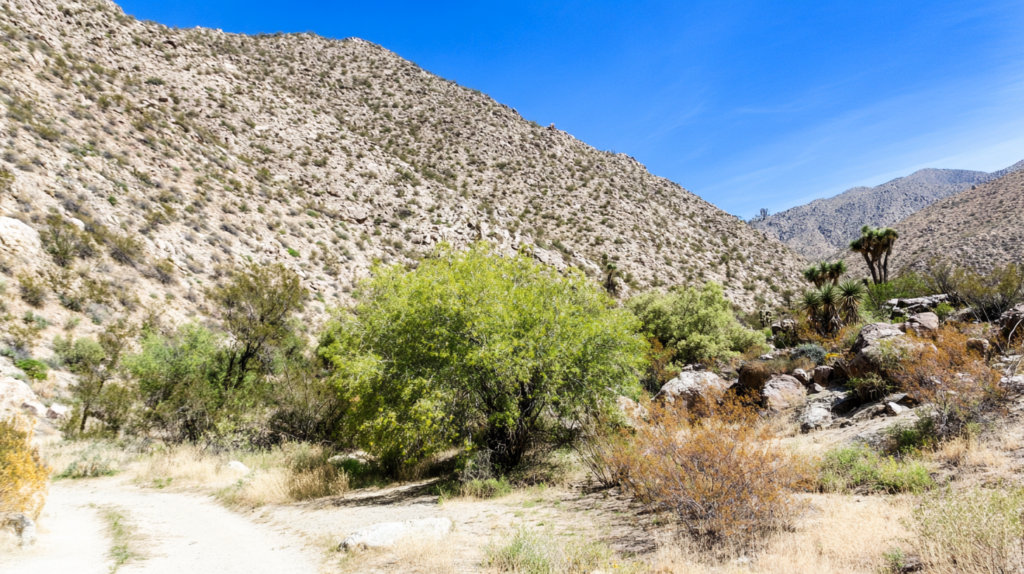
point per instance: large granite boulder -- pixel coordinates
(782, 392)
(690, 387)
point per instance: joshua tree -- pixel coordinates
(611, 272)
(875, 244)
(825, 272)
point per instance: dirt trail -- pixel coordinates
(177, 532)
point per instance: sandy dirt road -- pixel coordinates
(177, 533)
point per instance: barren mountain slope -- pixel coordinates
(820, 228)
(980, 228)
(212, 149)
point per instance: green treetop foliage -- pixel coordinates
(875, 245)
(698, 323)
(473, 347)
(256, 307)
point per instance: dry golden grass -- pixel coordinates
(840, 535)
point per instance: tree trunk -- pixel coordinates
(871, 267)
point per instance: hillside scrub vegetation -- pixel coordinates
(697, 324)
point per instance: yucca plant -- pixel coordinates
(830, 307)
(851, 293)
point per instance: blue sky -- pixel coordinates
(749, 104)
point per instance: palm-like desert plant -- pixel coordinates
(830, 307)
(851, 293)
(825, 272)
(875, 245)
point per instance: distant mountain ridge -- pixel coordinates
(823, 227)
(981, 227)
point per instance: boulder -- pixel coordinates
(901, 307)
(689, 386)
(23, 526)
(784, 326)
(894, 409)
(238, 466)
(869, 353)
(631, 410)
(922, 324)
(816, 417)
(358, 214)
(802, 376)
(57, 411)
(1012, 322)
(17, 238)
(822, 375)
(15, 393)
(387, 534)
(782, 392)
(871, 334)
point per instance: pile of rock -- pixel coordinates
(901, 307)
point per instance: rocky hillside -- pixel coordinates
(167, 156)
(821, 228)
(980, 228)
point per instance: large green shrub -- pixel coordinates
(473, 347)
(697, 323)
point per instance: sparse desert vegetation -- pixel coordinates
(336, 313)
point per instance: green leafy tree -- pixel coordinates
(256, 308)
(96, 363)
(473, 348)
(698, 323)
(178, 377)
(875, 245)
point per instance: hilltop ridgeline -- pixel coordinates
(174, 155)
(821, 228)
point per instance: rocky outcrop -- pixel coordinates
(691, 386)
(900, 307)
(1012, 322)
(387, 534)
(921, 324)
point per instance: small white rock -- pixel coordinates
(238, 466)
(388, 534)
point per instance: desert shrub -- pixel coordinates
(906, 286)
(90, 464)
(307, 405)
(475, 347)
(860, 469)
(909, 439)
(124, 248)
(871, 387)
(970, 530)
(32, 290)
(992, 294)
(815, 353)
(660, 369)
(177, 378)
(79, 353)
(23, 475)
(959, 385)
(723, 475)
(697, 323)
(526, 551)
(944, 310)
(33, 369)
